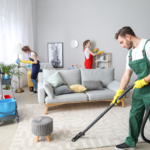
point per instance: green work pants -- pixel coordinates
(140, 102)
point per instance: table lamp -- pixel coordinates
(17, 49)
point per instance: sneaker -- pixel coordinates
(34, 92)
(124, 146)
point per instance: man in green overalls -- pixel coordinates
(138, 61)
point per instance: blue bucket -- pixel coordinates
(7, 106)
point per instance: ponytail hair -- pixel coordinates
(84, 44)
(27, 48)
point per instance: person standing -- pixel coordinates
(88, 54)
(34, 61)
(137, 61)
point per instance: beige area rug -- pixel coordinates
(69, 120)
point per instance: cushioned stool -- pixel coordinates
(42, 126)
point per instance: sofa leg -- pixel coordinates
(123, 104)
(46, 109)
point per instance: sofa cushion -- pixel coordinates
(48, 88)
(73, 97)
(55, 79)
(63, 89)
(78, 88)
(114, 86)
(71, 77)
(100, 94)
(104, 75)
(93, 85)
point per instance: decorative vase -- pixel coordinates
(101, 57)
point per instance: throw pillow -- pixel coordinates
(78, 88)
(48, 89)
(63, 89)
(55, 79)
(93, 85)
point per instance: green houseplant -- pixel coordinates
(12, 70)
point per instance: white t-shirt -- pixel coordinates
(86, 53)
(31, 54)
(137, 52)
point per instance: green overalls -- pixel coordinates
(140, 97)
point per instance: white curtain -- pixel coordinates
(16, 26)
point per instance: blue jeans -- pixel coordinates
(34, 83)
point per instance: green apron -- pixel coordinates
(140, 97)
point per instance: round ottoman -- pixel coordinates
(42, 126)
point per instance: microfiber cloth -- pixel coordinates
(18, 61)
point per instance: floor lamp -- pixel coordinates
(18, 50)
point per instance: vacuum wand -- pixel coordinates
(101, 115)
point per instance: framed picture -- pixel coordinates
(55, 54)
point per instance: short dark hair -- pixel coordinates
(125, 30)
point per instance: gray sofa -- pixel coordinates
(77, 76)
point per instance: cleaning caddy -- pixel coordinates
(8, 105)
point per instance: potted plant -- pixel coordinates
(11, 70)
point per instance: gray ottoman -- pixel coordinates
(42, 126)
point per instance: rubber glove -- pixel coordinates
(29, 62)
(100, 52)
(22, 61)
(140, 83)
(118, 93)
(26, 61)
(95, 50)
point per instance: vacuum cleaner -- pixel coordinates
(106, 110)
(143, 125)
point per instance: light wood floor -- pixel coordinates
(8, 130)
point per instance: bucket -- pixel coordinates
(7, 106)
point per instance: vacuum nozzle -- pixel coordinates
(77, 136)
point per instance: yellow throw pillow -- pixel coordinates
(77, 88)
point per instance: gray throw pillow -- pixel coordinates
(93, 85)
(63, 89)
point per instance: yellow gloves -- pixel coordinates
(100, 52)
(26, 61)
(118, 93)
(95, 50)
(29, 62)
(22, 61)
(140, 83)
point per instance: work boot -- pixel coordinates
(124, 146)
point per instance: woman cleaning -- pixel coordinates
(89, 54)
(34, 61)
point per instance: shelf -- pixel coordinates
(102, 61)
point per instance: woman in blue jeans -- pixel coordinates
(34, 61)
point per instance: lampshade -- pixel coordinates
(17, 49)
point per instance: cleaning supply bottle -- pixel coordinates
(6, 76)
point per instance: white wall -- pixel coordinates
(97, 20)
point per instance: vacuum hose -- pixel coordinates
(101, 115)
(143, 125)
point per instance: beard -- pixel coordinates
(129, 44)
